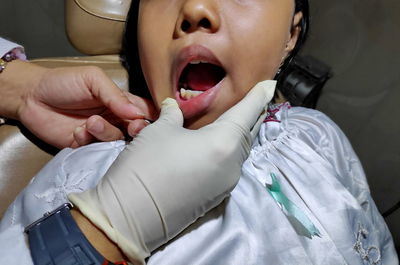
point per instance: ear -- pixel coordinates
(294, 32)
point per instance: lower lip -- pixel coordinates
(199, 104)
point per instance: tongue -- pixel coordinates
(203, 76)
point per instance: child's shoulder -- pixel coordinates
(309, 115)
(311, 119)
(289, 115)
(310, 125)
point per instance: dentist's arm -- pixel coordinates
(169, 176)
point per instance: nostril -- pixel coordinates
(204, 23)
(185, 26)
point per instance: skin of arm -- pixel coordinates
(70, 107)
(97, 238)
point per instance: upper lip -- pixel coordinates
(190, 54)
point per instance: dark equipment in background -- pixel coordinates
(302, 81)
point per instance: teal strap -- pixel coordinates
(296, 216)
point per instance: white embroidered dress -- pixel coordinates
(315, 166)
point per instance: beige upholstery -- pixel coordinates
(94, 27)
(109, 63)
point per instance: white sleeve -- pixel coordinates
(329, 141)
(71, 170)
(7, 46)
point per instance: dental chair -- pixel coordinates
(95, 28)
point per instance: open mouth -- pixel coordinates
(198, 77)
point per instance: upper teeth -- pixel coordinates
(188, 94)
(197, 62)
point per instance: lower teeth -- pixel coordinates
(188, 94)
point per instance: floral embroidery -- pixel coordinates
(63, 186)
(372, 255)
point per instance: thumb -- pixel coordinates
(248, 110)
(170, 112)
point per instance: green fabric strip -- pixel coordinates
(302, 222)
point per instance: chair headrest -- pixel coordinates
(95, 27)
(108, 9)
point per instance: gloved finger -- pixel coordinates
(102, 130)
(248, 110)
(170, 113)
(256, 128)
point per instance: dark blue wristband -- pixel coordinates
(56, 239)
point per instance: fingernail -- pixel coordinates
(78, 130)
(169, 102)
(134, 109)
(132, 134)
(97, 127)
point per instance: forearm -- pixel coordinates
(17, 79)
(97, 238)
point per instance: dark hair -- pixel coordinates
(130, 53)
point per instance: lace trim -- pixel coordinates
(273, 109)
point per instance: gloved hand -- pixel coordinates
(169, 176)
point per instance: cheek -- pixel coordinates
(262, 54)
(149, 37)
(259, 43)
(154, 58)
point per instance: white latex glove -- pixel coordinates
(169, 176)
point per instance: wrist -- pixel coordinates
(97, 238)
(57, 237)
(17, 80)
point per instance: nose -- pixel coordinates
(197, 15)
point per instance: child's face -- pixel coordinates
(220, 47)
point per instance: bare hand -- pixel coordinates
(70, 107)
